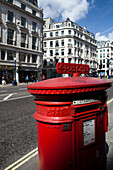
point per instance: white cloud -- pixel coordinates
(62, 9)
(100, 37)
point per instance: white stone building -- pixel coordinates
(21, 31)
(105, 52)
(69, 43)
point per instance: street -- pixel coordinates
(18, 127)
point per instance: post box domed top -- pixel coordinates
(69, 85)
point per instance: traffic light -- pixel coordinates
(100, 66)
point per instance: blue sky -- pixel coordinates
(96, 15)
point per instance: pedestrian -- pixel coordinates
(3, 81)
(43, 77)
(26, 79)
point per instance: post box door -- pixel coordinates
(89, 150)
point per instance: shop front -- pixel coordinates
(31, 72)
(8, 72)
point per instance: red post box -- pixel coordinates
(71, 116)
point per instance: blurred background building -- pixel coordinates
(69, 43)
(105, 58)
(21, 34)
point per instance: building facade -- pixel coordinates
(105, 55)
(69, 43)
(21, 32)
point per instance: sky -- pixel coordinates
(96, 15)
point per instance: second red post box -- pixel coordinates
(72, 119)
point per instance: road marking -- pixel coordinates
(16, 98)
(36, 153)
(8, 96)
(109, 101)
(22, 160)
(23, 89)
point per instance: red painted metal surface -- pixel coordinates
(72, 119)
(68, 85)
(69, 68)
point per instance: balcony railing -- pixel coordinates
(10, 41)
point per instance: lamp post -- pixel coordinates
(15, 82)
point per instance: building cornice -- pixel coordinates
(20, 49)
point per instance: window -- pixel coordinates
(45, 63)
(62, 51)
(44, 44)
(34, 57)
(34, 43)
(10, 1)
(23, 21)
(100, 51)
(23, 39)
(51, 34)
(51, 52)
(80, 44)
(62, 60)
(10, 55)
(44, 34)
(33, 26)
(57, 26)
(69, 60)
(69, 32)
(23, 7)
(69, 24)
(22, 57)
(56, 52)
(69, 40)
(69, 51)
(74, 42)
(34, 12)
(10, 16)
(57, 43)
(56, 33)
(62, 32)
(62, 43)
(2, 55)
(28, 58)
(51, 62)
(10, 36)
(51, 43)
(103, 60)
(107, 50)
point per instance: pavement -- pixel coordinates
(32, 162)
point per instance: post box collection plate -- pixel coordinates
(89, 132)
